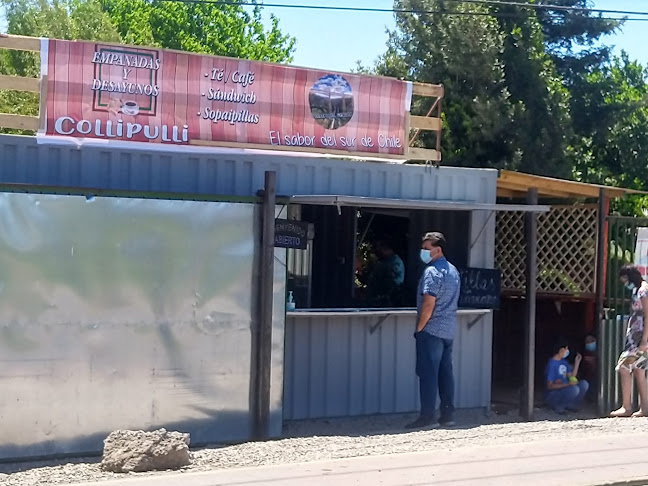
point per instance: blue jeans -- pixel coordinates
(434, 369)
(568, 397)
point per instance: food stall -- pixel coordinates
(344, 359)
(135, 219)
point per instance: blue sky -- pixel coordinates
(335, 40)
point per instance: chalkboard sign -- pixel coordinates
(291, 234)
(480, 288)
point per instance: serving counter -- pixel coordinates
(343, 362)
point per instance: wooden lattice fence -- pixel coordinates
(566, 250)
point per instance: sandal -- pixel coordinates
(640, 414)
(622, 412)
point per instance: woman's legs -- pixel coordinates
(626, 393)
(642, 388)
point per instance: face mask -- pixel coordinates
(630, 286)
(566, 354)
(591, 347)
(425, 256)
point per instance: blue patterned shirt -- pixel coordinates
(440, 279)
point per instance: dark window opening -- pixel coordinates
(351, 258)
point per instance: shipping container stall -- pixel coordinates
(139, 284)
(145, 232)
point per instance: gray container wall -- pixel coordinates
(120, 313)
(336, 367)
(23, 160)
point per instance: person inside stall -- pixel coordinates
(385, 277)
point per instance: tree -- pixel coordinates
(205, 27)
(611, 123)
(505, 105)
(572, 36)
(463, 53)
(62, 19)
(542, 120)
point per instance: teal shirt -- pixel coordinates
(398, 269)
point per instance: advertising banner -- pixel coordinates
(123, 93)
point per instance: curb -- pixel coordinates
(629, 482)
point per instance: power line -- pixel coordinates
(428, 12)
(540, 6)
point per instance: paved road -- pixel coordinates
(584, 462)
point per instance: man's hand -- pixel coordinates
(643, 346)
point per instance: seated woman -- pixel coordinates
(564, 391)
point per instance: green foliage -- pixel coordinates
(528, 90)
(465, 54)
(62, 19)
(209, 28)
(505, 104)
(541, 102)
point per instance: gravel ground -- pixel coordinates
(343, 438)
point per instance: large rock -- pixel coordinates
(138, 451)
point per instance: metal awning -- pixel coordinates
(387, 203)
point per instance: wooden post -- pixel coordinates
(531, 273)
(601, 261)
(264, 331)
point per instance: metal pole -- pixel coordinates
(266, 291)
(601, 242)
(531, 273)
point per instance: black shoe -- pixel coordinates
(447, 422)
(422, 423)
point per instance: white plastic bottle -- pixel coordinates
(290, 305)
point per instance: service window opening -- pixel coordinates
(369, 257)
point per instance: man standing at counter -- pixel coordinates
(437, 298)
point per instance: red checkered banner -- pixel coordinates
(123, 93)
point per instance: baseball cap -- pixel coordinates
(436, 238)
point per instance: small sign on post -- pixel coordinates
(291, 234)
(480, 288)
(641, 252)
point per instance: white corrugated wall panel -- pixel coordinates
(338, 368)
